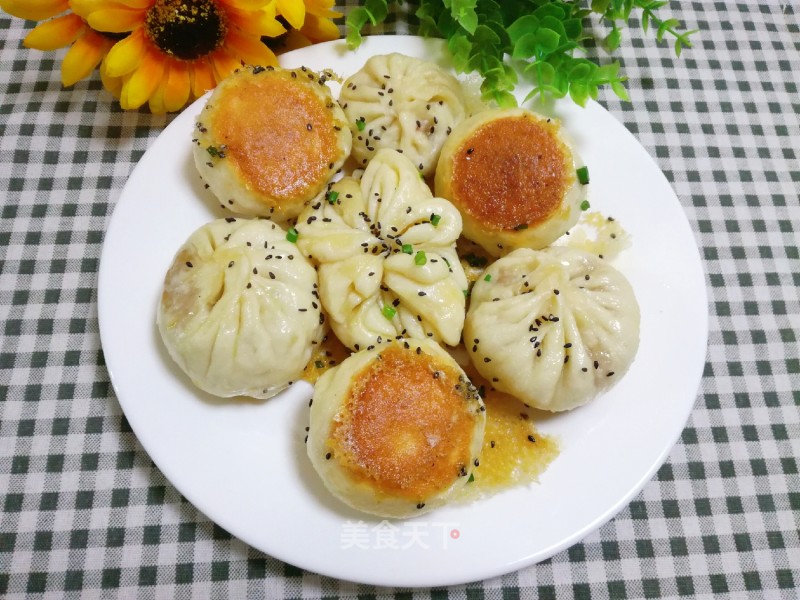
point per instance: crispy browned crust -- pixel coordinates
(407, 426)
(511, 172)
(277, 131)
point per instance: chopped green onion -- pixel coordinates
(319, 364)
(420, 258)
(332, 196)
(212, 151)
(471, 478)
(583, 175)
(466, 293)
(292, 235)
(361, 124)
(447, 262)
(388, 311)
(521, 226)
(585, 205)
(407, 249)
(435, 219)
(488, 277)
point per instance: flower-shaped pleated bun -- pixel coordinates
(386, 256)
(239, 311)
(553, 327)
(404, 103)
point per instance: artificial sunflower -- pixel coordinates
(179, 49)
(317, 25)
(61, 28)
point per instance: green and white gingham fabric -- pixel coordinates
(85, 514)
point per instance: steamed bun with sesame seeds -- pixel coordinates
(513, 175)
(553, 327)
(269, 140)
(404, 103)
(386, 257)
(239, 311)
(396, 431)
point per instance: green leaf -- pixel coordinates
(554, 25)
(522, 26)
(546, 40)
(666, 26)
(613, 40)
(356, 20)
(468, 19)
(551, 9)
(460, 49)
(377, 10)
(579, 93)
(484, 35)
(619, 89)
(573, 28)
(600, 6)
(580, 72)
(525, 46)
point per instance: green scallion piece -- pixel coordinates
(332, 196)
(466, 293)
(388, 311)
(585, 205)
(521, 227)
(292, 235)
(435, 219)
(361, 124)
(471, 478)
(407, 249)
(583, 175)
(319, 364)
(212, 150)
(420, 258)
(488, 277)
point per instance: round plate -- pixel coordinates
(243, 463)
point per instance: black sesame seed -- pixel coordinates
(188, 264)
(531, 438)
(328, 456)
(610, 373)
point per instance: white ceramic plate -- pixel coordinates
(244, 463)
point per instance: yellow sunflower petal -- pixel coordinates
(320, 30)
(293, 11)
(322, 8)
(82, 57)
(143, 82)
(112, 84)
(115, 20)
(251, 50)
(34, 10)
(126, 54)
(156, 101)
(257, 23)
(177, 86)
(138, 4)
(294, 40)
(246, 4)
(55, 33)
(223, 63)
(202, 76)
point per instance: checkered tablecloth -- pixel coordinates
(85, 513)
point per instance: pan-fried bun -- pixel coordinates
(238, 311)
(269, 140)
(397, 430)
(511, 173)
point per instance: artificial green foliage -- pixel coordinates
(542, 37)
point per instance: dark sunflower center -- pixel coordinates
(186, 29)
